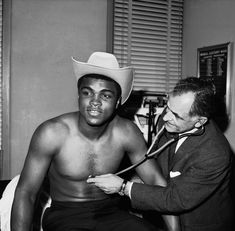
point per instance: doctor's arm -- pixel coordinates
(149, 172)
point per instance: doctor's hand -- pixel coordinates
(109, 183)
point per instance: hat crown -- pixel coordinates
(103, 59)
(106, 64)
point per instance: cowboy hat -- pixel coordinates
(106, 64)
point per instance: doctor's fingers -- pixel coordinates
(95, 179)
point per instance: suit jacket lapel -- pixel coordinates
(183, 152)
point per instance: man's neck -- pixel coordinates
(93, 132)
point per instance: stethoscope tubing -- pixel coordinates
(153, 154)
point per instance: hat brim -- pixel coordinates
(123, 76)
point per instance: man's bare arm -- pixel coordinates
(35, 167)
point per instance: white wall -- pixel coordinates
(45, 34)
(209, 22)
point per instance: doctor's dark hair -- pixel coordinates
(204, 91)
(97, 76)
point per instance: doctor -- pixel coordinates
(197, 170)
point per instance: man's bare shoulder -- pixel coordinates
(127, 127)
(130, 137)
(61, 122)
(125, 123)
(56, 129)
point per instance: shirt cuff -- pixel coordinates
(128, 189)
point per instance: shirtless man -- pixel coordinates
(73, 146)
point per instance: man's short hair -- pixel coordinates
(97, 76)
(204, 91)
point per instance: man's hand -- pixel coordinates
(109, 183)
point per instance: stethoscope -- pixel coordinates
(155, 154)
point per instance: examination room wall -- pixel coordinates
(206, 23)
(45, 34)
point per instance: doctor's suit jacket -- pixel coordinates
(198, 183)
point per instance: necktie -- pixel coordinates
(171, 150)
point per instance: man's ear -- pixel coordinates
(118, 102)
(201, 121)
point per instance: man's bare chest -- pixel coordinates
(78, 159)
